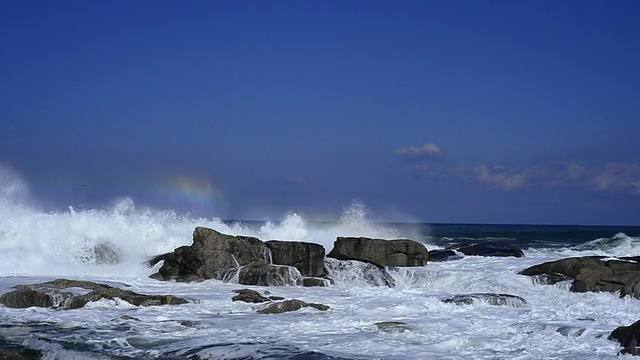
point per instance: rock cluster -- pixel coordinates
(592, 274)
(250, 261)
(274, 306)
(74, 294)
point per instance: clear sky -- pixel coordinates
(436, 111)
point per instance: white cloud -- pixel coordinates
(426, 151)
(617, 177)
(498, 177)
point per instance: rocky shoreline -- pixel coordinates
(251, 261)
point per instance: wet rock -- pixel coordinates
(312, 281)
(18, 352)
(289, 305)
(631, 350)
(593, 274)
(210, 255)
(443, 255)
(308, 258)
(380, 252)
(263, 274)
(627, 336)
(276, 298)
(243, 259)
(384, 325)
(249, 296)
(24, 298)
(490, 298)
(74, 294)
(490, 249)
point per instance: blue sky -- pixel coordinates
(436, 111)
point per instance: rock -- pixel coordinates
(314, 281)
(249, 296)
(443, 255)
(490, 249)
(490, 298)
(308, 258)
(384, 325)
(211, 254)
(24, 298)
(275, 298)
(242, 259)
(593, 274)
(263, 274)
(631, 350)
(289, 305)
(73, 294)
(18, 352)
(627, 336)
(380, 252)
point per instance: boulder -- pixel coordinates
(593, 274)
(73, 294)
(490, 298)
(242, 259)
(313, 281)
(308, 258)
(380, 252)
(627, 336)
(489, 249)
(289, 305)
(18, 352)
(443, 255)
(210, 255)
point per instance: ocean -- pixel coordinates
(37, 246)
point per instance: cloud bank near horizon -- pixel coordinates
(613, 177)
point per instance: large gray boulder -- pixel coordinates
(308, 258)
(74, 294)
(242, 259)
(593, 274)
(210, 255)
(380, 252)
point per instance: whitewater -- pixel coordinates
(37, 246)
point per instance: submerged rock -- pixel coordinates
(289, 305)
(627, 336)
(352, 271)
(249, 296)
(490, 249)
(443, 255)
(593, 274)
(385, 325)
(19, 352)
(380, 252)
(74, 294)
(490, 298)
(263, 274)
(313, 281)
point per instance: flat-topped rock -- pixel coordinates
(400, 252)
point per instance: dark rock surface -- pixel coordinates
(627, 336)
(73, 294)
(308, 258)
(250, 296)
(289, 305)
(385, 325)
(489, 249)
(18, 352)
(380, 252)
(263, 274)
(242, 259)
(314, 281)
(443, 255)
(490, 298)
(593, 274)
